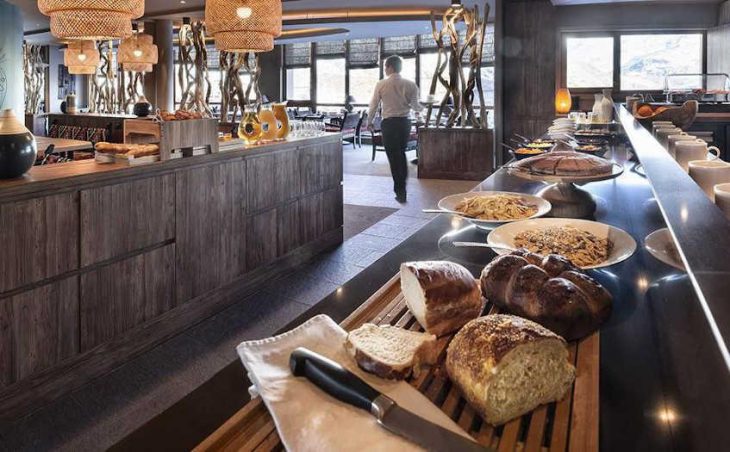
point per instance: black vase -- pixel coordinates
(142, 108)
(18, 148)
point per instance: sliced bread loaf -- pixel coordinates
(391, 352)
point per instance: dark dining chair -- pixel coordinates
(347, 127)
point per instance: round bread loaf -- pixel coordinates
(550, 291)
(506, 366)
(566, 163)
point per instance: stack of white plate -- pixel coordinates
(562, 128)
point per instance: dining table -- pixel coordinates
(62, 145)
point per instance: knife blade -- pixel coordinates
(347, 387)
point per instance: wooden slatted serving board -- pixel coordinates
(568, 425)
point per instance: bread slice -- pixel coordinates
(391, 352)
(506, 366)
(442, 295)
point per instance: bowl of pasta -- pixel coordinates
(588, 244)
(488, 209)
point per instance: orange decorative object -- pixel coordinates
(282, 121)
(645, 111)
(563, 102)
(269, 126)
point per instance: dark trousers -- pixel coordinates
(396, 132)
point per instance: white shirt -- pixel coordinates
(398, 96)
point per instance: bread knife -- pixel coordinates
(347, 387)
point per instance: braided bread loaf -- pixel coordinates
(550, 291)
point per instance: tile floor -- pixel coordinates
(105, 411)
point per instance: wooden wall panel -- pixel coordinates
(39, 239)
(320, 167)
(120, 296)
(530, 56)
(120, 218)
(210, 227)
(38, 329)
(272, 179)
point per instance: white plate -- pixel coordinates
(449, 204)
(660, 244)
(623, 244)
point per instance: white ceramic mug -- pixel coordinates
(662, 134)
(673, 139)
(661, 125)
(686, 151)
(722, 198)
(708, 173)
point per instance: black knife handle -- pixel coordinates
(332, 378)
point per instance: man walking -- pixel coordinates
(397, 96)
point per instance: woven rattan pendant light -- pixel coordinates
(91, 19)
(243, 25)
(137, 53)
(81, 57)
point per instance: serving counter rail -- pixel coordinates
(102, 261)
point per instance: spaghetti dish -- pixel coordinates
(496, 207)
(580, 247)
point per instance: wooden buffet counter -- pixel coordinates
(103, 261)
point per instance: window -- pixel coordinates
(362, 84)
(589, 62)
(408, 70)
(428, 67)
(297, 83)
(647, 59)
(331, 81)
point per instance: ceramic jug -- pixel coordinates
(598, 108)
(607, 106)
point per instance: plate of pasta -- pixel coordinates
(487, 209)
(588, 244)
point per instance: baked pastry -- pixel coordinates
(391, 352)
(506, 366)
(565, 163)
(442, 295)
(110, 148)
(550, 291)
(141, 150)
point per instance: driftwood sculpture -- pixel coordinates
(103, 89)
(133, 83)
(234, 96)
(33, 76)
(449, 69)
(232, 93)
(192, 75)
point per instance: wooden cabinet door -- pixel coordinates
(121, 218)
(210, 227)
(320, 166)
(38, 329)
(120, 296)
(272, 179)
(40, 239)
